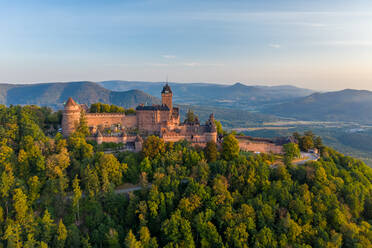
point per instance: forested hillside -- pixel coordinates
(59, 192)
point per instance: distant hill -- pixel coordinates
(55, 94)
(345, 105)
(217, 95)
(242, 100)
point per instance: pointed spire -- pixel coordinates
(138, 139)
(166, 88)
(70, 102)
(211, 117)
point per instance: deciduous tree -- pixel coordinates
(153, 146)
(230, 147)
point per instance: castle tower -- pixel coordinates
(70, 117)
(138, 144)
(166, 97)
(212, 132)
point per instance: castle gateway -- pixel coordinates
(161, 120)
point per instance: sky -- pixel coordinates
(322, 45)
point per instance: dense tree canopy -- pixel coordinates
(230, 147)
(107, 108)
(58, 192)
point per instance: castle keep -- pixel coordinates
(161, 120)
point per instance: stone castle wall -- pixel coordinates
(113, 139)
(194, 138)
(130, 121)
(104, 119)
(107, 119)
(262, 147)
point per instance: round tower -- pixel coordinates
(212, 134)
(70, 117)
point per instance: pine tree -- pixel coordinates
(20, 205)
(13, 234)
(83, 124)
(61, 234)
(47, 227)
(131, 241)
(211, 151)
(230, 147)
(77, 196)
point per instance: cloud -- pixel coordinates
(274, 46)
(157, 64)
(309, 24)
(184, 64)
(167, 56)
(197, 64)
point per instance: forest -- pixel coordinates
(63, 192)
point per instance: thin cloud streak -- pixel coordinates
(169, 56)
(276, 46)
(184, 64)
(351, 43)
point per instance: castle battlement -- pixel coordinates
(106, 114)
(163, 120)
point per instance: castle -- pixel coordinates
(161, 120)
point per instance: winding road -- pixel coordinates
(309, 157)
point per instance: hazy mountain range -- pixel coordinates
(232, 96)
(345, 105)
(55, 94)
(239, 103)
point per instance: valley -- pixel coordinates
(350, 138)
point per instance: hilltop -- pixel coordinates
(60, 192)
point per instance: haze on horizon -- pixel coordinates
(322, 45)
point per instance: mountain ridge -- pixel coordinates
(283, 101)
(237, 95)
(344, 105)
(54, 94)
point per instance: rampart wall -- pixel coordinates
(202, 138)
(130, 121)
(108, 119)
(262, 147)
(113, 139)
